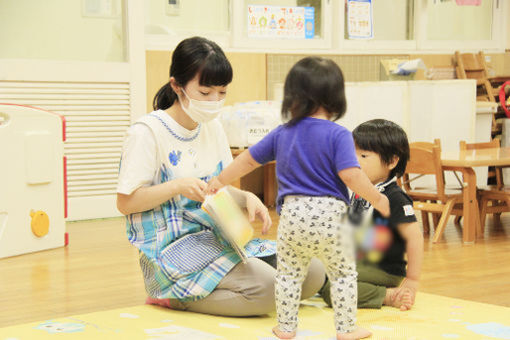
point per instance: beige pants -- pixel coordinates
(248, 289)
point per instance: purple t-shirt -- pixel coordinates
(308, 157)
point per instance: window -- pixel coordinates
(89, 30)
(283, 24)
(385, 24)
(167, 16)
(334, 26)
(448, 25)
(448, 21)
(392, 20)
(169, 21)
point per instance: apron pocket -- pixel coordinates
(191, 253)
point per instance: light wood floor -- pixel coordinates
(99, 271)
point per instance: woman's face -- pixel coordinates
(206, 93)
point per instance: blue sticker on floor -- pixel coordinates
(60, 327)
(491, 329)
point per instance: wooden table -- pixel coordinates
(465, 161)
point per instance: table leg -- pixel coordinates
(270, 184)
(479, 231)
(470, 209)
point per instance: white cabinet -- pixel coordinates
(426, 110)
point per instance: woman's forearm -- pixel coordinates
(146, 198)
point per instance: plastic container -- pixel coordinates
(247, 123)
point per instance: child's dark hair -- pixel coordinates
(192, 56)
(311, 83)
(386, 139)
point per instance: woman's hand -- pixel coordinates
(256, 208)
(192, 188)
(213, 186)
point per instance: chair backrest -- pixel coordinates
(473, 66)
(428, 145)
(477, 146)
(470, 65)
(425, 159)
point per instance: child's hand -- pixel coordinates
(383, 206)
(213, 186)
(407, 290)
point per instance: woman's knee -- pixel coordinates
(257, 286)
(259, 294)
(314, 280)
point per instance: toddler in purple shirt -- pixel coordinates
(315, 163)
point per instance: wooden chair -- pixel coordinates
(473, 66)
(499, 200)
(493, 199)
(428, 145)
(425, 159)
(424, 214)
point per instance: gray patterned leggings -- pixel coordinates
(313, 227)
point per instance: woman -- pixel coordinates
(168, 157)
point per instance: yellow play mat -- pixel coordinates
(433, 317)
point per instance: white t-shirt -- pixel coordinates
(158, 149)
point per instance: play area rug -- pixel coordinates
(433, 317)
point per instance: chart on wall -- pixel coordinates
(360, 19)
(281, 22)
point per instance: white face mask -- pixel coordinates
(202, 111)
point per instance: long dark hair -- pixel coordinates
(385, 138)
(311, 83)
(192, 56)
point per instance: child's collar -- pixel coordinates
(382, 185)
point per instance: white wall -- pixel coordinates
(424, 109)
(56, 29)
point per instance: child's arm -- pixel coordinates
(358, 182)
(146, 198)
(242, 164)
(412, 235)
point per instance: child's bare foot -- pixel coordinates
(283, 335)
(358, 333)
(404, 303)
